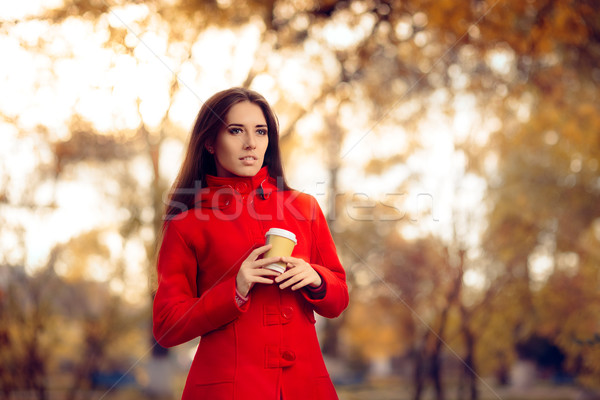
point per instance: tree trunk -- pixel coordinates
(435, 370)
(330, 343)
(435, 365)
(469, 360)
(418, 375)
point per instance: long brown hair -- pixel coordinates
(199, 162)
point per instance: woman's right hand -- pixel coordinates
(252, 270)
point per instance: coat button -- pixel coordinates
(288, 355)
(241, 187)
(287, 312)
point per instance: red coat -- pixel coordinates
(267, 347)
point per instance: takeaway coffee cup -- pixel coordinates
(283, 243)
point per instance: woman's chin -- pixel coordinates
(244, 172)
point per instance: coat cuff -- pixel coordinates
(318, 292)
(335, 298)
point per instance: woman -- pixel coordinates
(258, 339)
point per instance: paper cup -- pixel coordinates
(283, 244)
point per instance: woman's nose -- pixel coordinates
(249, 141)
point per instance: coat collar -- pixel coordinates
(220, 192)
(241, 184)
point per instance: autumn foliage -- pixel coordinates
(363, 89)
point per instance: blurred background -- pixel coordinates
(453, 144)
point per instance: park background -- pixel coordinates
(453, 144)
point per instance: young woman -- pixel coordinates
(258, 339)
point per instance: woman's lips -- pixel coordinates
(248, 160)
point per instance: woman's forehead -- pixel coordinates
(245, 113)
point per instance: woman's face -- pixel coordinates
(241, 144)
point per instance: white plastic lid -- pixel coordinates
(282, 232)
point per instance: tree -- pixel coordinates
(370, 73)
(542, 195)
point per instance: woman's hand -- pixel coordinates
(252, 270)
(299, 274)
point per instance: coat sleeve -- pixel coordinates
(325, 261)
(178, 314)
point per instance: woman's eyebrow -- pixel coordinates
(241, 125)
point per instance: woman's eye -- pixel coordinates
(235, 131)
(261, 131)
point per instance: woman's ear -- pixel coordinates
(209, 148)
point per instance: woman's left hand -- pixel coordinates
(299, 274)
